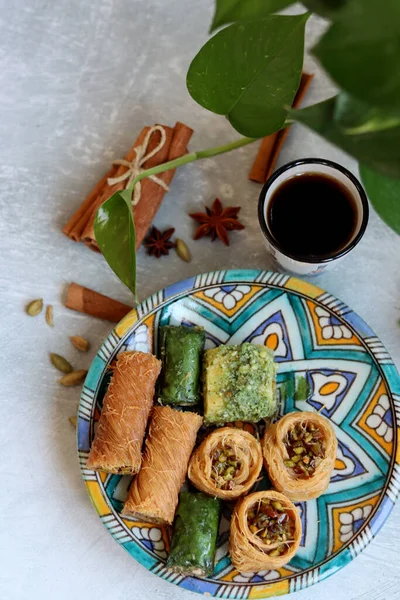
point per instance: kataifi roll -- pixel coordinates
(153, 495)
(117, 445)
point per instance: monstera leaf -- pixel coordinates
(361, 51)
(364, 132)
(115, 234)
(384, 194)
(250, 72)
(232, 11)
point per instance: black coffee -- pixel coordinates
(312, 215)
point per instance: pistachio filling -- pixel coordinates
(224, 467)
(272, 524)
(305, 447)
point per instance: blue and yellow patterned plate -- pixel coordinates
(328, 359)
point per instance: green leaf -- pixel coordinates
(359, 130)
(115, 234)
(361, 52)
(384, 194)
(231, 11)
(250, 71)
(325, 8)
(356, 117)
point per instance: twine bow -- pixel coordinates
(134, 167)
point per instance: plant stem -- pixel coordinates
(191, 157)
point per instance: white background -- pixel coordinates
(78, 82)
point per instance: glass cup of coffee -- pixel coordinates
(312, 212)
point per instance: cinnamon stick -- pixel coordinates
(152, 193)
(260, 165)
(268, 153)
(92, 303)
(77, 223)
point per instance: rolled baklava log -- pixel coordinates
(265, 532)
(117, 445)
(180, 349)
(226, 464)
(153, 495)
(194, 540)
(299, 455)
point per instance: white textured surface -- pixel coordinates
(78, 81)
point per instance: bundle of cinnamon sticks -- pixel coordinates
(270, 147)
(81, 225)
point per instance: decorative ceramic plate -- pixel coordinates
(329, 360)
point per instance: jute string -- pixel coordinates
(134, 167)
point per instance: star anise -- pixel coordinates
(158, 243)
(217, 221)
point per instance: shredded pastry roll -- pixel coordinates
(153, 495)
(299, 454)
(117, 445)
(227, 463)
(265, 532)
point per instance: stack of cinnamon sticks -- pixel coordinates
(81, 225)
(268, 153)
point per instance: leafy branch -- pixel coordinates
(250, 70)
(191, 157)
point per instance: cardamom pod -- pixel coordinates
(60, 363)
(80, 343)
(35, 307)
(72, 420)
(49, 315)
(183, 251)
(73, 378)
